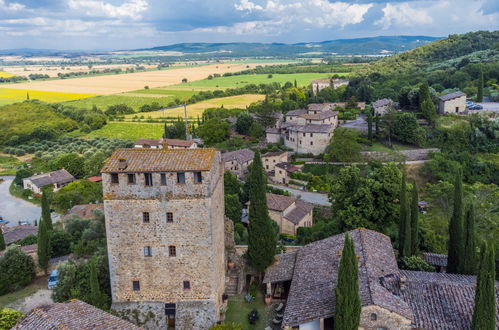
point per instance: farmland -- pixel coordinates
(9, 95)
(129, 131)
(5, 74)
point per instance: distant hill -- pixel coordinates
(360, 46)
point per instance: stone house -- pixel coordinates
(57, 179)
(381, 106)
(452, 103)
(311, 138)
(319, 84)
(237, 161)
(71, 315)
(289, 213)
(271, 159)
(162, 143)
(439, 261)
(282, 173)
(83, 211)
(390, 298)
(17, 233)
(164, 211)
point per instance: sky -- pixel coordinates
(132, 24)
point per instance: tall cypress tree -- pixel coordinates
(262, 238)
(479, 94)
(484, 312)
(469, 253)
(95, 293)
(404, 222)
(426, 105)
(455, 252)
(46, 212)
(370, 125)
(348, 305)
(2, 241)
(165, 130)
(43, 246)
(414, 219)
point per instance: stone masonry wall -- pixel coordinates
(384, 319)
(408, 155)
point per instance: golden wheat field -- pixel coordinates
(112, 84)
(9, 95)
(4, 74)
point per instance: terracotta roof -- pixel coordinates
(297, 112)
(84, 211)
(320, 106)
(241, 156)
(273, 153)
(451, 96)
(55, 177)
(72, 315)
(95, 178)
(32, 248)
(382, 103)
(159, 160)
(279, 202)
(282, 268)
(178, 142)
(299, 212)
(320, 115)
(311, 294)
(312, 128)
(18, 233)
(438, 300)
(435, 259)
(150, 142)
(290, 168)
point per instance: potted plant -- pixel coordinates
(268, 299)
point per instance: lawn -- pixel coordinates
(8, 165)
(10, 298)
(9, 95)
(302, 79)
(129, 131)
(238, 312)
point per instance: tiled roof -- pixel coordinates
(435, 259)
(299, 212)
(26, 249)
(282, 268)
(382, 103)
(288, 167)
(279, 202)
(72, 315)
(438, 300)
(273, 153)
(320, 106)
(272, 130)
(451, 96)
(18, 233)
(159, 160)
(56, 177)
(170, 142)
(312, 128)
(320, 115)
(84, 211)
(241, 156)
(150, 142)
(297, 112)
(311, 294)
(95, 178)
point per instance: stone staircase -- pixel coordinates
(232, 282)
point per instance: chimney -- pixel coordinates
(122, 164)
(403, 282)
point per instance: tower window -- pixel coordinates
(145, 217)
(115, 178)
(169, 217)
(180, 177)
(172, 251)
(148, 179)
(163, 179)
(311, 143)
(374, 317)
(131, 178)
(187, 285)
(198, 177)
(136, 285)
(147, 251)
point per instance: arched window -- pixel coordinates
(374, 317)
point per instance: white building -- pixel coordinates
(319, 84)
(452, 103)
(57, 179)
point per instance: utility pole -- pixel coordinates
(187, 136)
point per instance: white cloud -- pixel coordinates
(402, 14)
(131, 8)
(247, 5)
(10, 6)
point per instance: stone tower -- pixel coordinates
(164, 213)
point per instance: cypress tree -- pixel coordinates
(261, 238)
(404, 222)
(43, 246)
(469, 254)
(46, 212)
(479, 94)
(455, 252)
(348, 306)
(2, 241)
(414, 219)
(95, 294)
(426, 105)
(370, 125)
(165, 131)
(484, 311)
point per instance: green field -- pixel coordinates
(8, 165)
(129, 131)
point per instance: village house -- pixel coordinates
(83, 211)
(382, 106)
(71, 315)
(390, 298)
(282, 173)
(289, 213)
(452, 103)
(271, 159)
(319, 84)
(17, 233)
(237, 161)
(164, 211)
(439, 261)
(57, 179)
(165, 143)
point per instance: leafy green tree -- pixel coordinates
(213, 131)
(232, 186)
(243, 123)
(414, 219)
(455, 251)
(426, 105)
(348, 305)
(43, 246)
(479, 94)
(370, 120)
(261, 240)
(344, 145)
(9, 318)
(2, 241)
(484, 311)
(94, 164)
(469, 255)
(60, 243)
(404, 222)
(22, 174)
(72, 163)
(77, 192)
(46, 212)
(95, 296)
(16, 270)
(233, 207)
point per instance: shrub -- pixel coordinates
(415, 263)
(9, 318)
(17, 269)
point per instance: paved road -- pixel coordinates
(311, 197)
(360, 123)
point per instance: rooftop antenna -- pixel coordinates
(187, 135)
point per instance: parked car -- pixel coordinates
(475, 107)
(53, 279)
(3, 222)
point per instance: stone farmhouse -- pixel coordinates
(164, 212)
(237, 161)
(165, 143)
(319, 84)
(282, 173)
(306, 130)
(71, 315)
(452, 103)
(271, 159)
(381, 106)
(390, 298)
(57, 179)
(289, 213)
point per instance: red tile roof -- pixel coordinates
(95, 178)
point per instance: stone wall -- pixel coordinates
(451, 105)
(402, 155)
(302, 144)
(383, 319)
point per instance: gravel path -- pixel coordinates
(39, 298)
